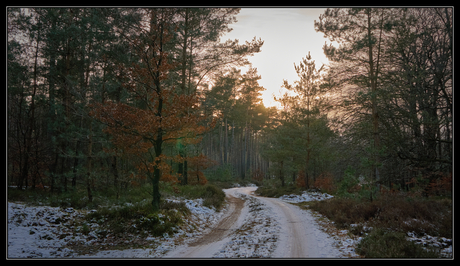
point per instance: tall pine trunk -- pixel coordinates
(375, 116)
(226, 142)
(89, 164)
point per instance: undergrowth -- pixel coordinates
(212, 195)
(140, 218)
(397, 212)
(382, 222)
(391, 216)
(130, 211)
(278, 191)
(387, 244)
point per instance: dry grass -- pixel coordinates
(396, 211)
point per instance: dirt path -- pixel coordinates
(224, 227)
(300, 236)
(211, 242)
(296, 231)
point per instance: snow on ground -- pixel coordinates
(256, 238)
(261, 234)
(35, 232)
(442, 243)
(45, 232)
(306, 196)
(196, 225)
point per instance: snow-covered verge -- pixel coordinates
(49, 232)
(41, 231)
(347, 242)
(53, 232)
(344, 241)
(195, 225)
(442, 243)
(306, 196)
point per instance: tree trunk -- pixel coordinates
(115, 174)
(281, 174)
(226, 142)
(375, 115)
(184, 52)
(89, 164)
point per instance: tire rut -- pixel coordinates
(224, 227)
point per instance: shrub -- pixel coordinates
(196, 177)
(346, 211)
(398, 212)
(386, 244)
(160, 223)
(278, 191)
(258, 175)
(213, 196)
(349, 183)
(441, 186)
(300, 180)
(325, 183)
(85, 229)
(171, 205)
(121, 219)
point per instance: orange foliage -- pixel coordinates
(441, 186)
(197, 164)
(300, 181)
(176, 189)
(325, 183)
(165, 114)
(196, 178)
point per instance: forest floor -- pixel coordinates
(247, 226)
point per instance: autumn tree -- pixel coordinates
(157, 114)
(63, 62)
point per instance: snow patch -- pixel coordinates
(46, 232)
(36, 232)
(306, 196)
(442, 243)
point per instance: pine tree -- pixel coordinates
(359, 32)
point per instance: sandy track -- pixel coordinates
(298, 235)
(224, 227)
(211, 242)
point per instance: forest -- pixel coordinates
(100, 100)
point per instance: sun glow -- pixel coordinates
(283, 45)
(268, 98)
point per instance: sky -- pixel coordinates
(288, 35)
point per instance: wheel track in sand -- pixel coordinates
(223, 228)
